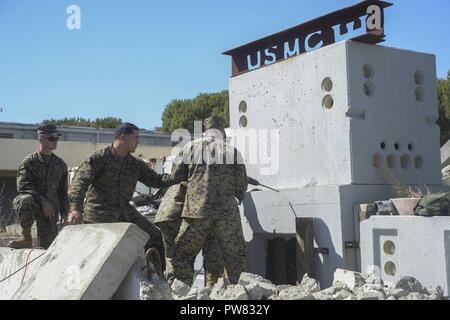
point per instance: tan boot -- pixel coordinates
(25, 243)
(153, 263)
(211, 279)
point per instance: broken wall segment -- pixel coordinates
(85, 262)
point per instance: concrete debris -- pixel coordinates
(267, 287)
(296, 293)
(409, 284)
(396, 293)
(350, 278)
(254, 287)
(232, 292)
(155, 290)
(416, 296)
(309, 284)
(343, 295)
(180, 289)
(370, 295)
(254, 291)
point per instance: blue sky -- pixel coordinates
(131, 58)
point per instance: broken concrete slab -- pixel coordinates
(350, 278)
(267, 287)
(12, 260)
(85, 262)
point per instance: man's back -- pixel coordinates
(216, 177)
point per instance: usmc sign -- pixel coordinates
(311, 35)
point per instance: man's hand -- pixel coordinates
(64, 221)
(47, 208)
(76, 217)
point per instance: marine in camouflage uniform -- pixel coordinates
(103, 186)
(168, 220)
(41, 178)
(211, 207)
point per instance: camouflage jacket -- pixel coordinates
(108, 183)
(172, 204)
(216, 178)
(45, 181)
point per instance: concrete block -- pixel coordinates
(85, 262)
(351, 279)
(12, 260)
(400, 246)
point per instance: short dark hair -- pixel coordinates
(124, 128)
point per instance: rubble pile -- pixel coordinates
(347, 285)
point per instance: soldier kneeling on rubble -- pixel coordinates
(42, 187)
(107, 179)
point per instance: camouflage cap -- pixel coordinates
(49, 129)
(214, 123)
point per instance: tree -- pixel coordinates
(444, 108)
(181, 114)
(106, 123)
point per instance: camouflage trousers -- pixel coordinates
(28, 210)
(131, 215)
(212, 256)
(191, 238)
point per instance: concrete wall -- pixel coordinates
(335, 109)
(408, 246)
(337, 145)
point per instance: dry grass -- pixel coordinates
(401, 190)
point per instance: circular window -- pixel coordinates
(243, 106)
(327, 84)
(420, 94)
(383, 145)
(405, 161)
(389, 248)
(390, 161)
(410, 147)
(369, 89)
(327, 102)
(418, 162)
(419, 78)
(243, 122)
(368, 71)
(397, 146)
(390, 269)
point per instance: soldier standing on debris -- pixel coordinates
(107, 179)
(168, 220)
(216, 178)
(42, 187)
